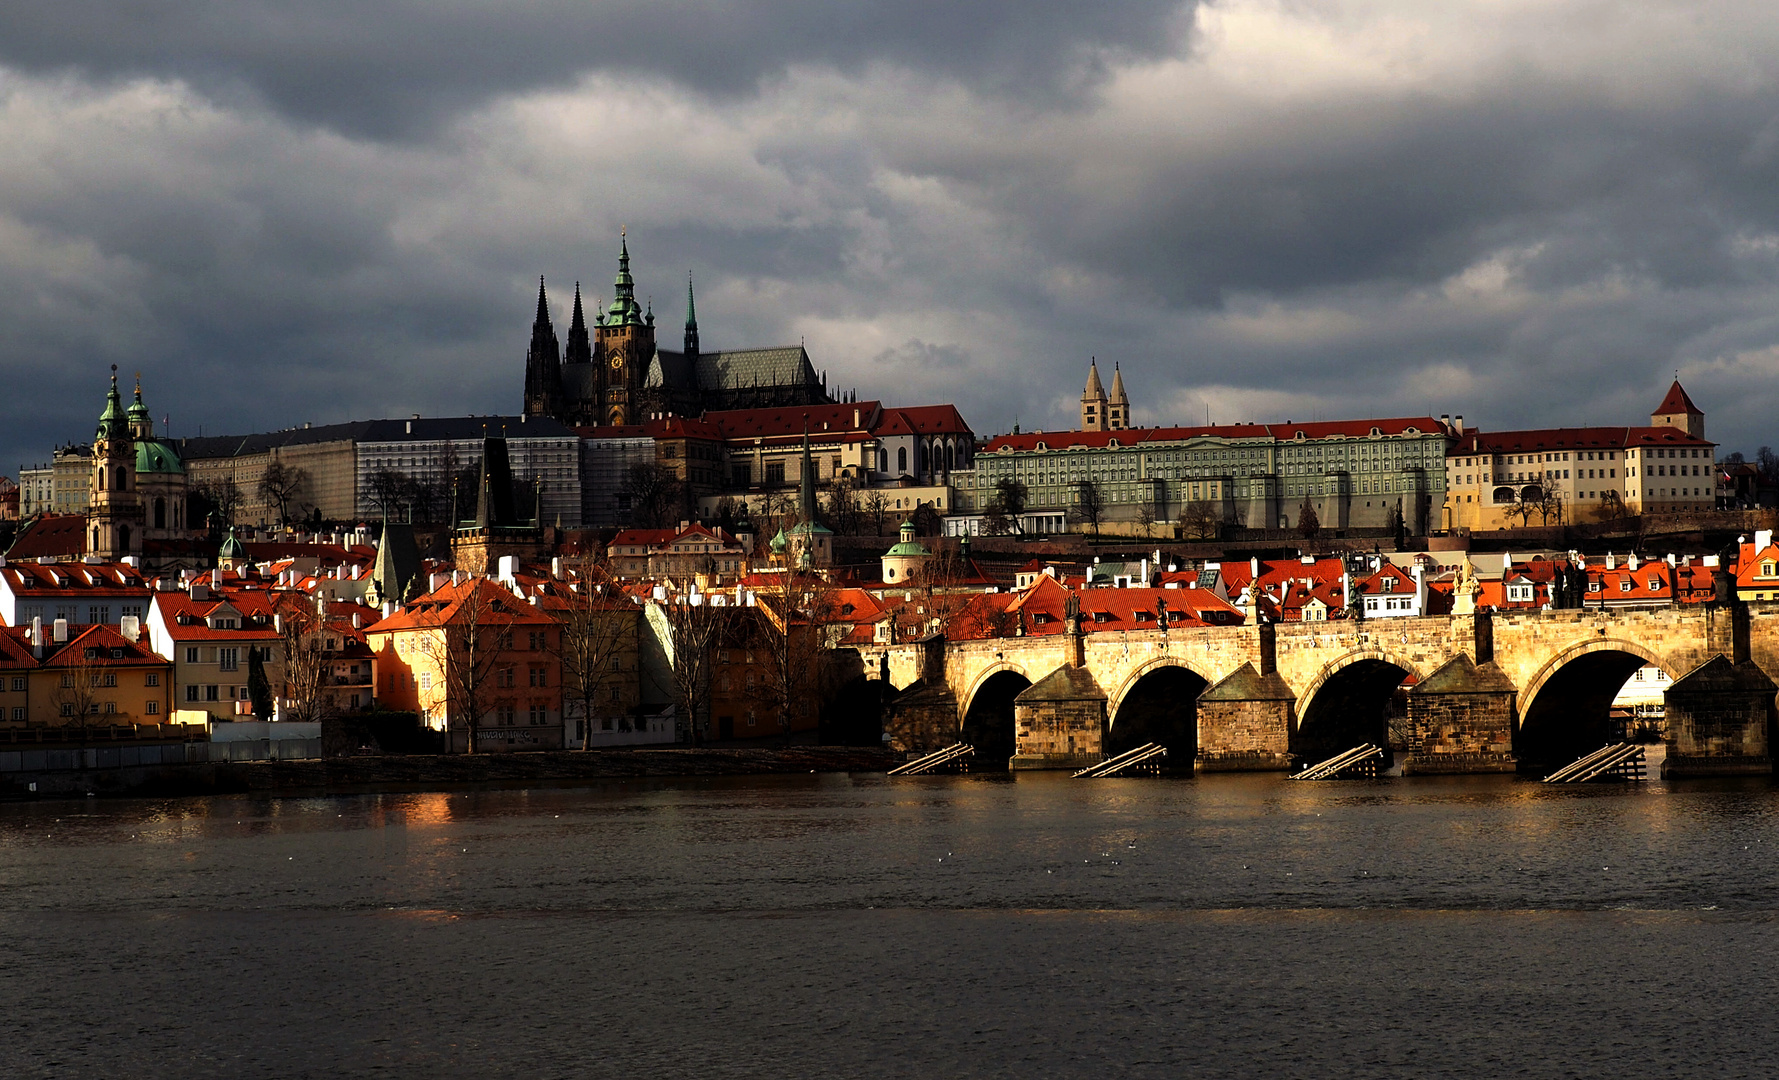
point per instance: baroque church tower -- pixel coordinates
(139, 487)
(114, 514)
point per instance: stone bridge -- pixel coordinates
(1483, 693)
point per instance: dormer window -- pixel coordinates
(1625, 585)
(1766, 569)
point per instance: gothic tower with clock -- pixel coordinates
(623, 345)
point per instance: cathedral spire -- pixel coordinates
(543, 362)
(580, 348)
(691, 320)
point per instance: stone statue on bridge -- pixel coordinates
(1465, 589)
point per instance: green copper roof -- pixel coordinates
(138, 411)
(778, 543)
(154, 456)
(908, 547)
(232, 548)
(111, 421)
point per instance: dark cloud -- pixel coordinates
(1293, 212)
(395, 68)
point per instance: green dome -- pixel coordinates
(138, 412)
(908, 548)
(778, 543)
(232, 548)
(156, 457)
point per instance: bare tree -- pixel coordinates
(875, 508)
(796, 616)
(302, 637)
(1612, 507)
(221, 499)
(595, 641)
(1199, 520)
(844, 513)
(1146, 517)
(692, 630)
(1006, 507)
(76, 695)
(279, 486)
(390, 489)
(656, 496)
(1090, 505)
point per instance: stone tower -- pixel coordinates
(543, 360)
(1678, 411)
(624, 343)
(1118, 406)
(114, 514)
(1093, 400)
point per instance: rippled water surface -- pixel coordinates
(862, 926)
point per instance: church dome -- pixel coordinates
(154, 456)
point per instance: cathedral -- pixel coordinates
(616, 374)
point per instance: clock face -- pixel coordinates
(617, 363)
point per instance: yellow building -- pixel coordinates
(471, 658)
(81, 676)
(1555, 476)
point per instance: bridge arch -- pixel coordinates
(981, 679)
(1565, 709)
(1157, 702)
(1350, 701)
(986, 717)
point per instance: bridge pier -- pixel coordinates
(1461, 720)
(1244, 723)
(923, 716)
(1059, 722)
(1720, 719)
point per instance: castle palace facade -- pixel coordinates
(615, 374)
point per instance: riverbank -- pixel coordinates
(422, 772)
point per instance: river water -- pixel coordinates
(829, 926)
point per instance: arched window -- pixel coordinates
(883, 461)
(120, 484)
(160, 513)
(950, 456)
(901, 459)
(101, 479)
(123, 538)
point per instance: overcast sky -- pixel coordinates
(1527, 211)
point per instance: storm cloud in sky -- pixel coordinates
(1528, 212)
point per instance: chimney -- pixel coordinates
(277, 623)
(434, 581)
(1611, 561)
(1631, 562)
(1458, 424)
(37, 636)
(61, 630)
(556, 567)
(356, 623)
(1763, 539)
(130, 627)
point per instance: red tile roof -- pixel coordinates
(1595, 438)
(50, 535)
(1676, 402)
